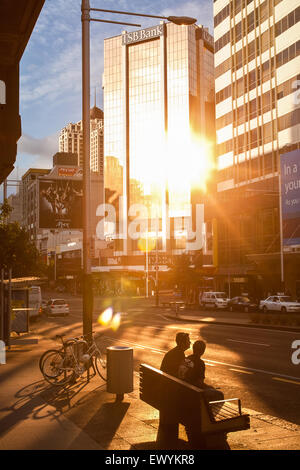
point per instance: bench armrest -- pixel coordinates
(225, 409)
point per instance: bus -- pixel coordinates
(34, 301)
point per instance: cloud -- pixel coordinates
(54, 72)
(43, 149)
(202, 10)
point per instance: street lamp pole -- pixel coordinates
(85, 20)
(87, 292)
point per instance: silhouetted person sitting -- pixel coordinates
(192, 370)
(173, 358)
(168, 429)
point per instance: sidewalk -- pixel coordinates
(34, 415)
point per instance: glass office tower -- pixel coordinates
(159, 121)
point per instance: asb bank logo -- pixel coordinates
(143, 35)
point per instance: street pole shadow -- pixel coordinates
(65, 398)
(102, 423)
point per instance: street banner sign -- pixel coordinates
(290, 197)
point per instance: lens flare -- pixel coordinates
(146, 244)
(106, 316)
(115, 323)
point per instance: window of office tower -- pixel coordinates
(145, 124)
(114, 112)
(178, 43)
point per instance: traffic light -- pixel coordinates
(10, 120)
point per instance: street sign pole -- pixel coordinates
(87, 291)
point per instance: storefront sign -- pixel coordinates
(239, 280)
(143, 35)
(67, 171)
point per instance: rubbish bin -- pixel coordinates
(119, 370)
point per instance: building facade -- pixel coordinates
(30, 198)
(159, 115)
(70, 140)
(257, 73)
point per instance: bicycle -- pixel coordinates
(62, 366)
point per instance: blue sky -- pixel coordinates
(50, 72)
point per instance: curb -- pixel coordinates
(289, 329)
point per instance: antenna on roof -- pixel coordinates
(95, 98)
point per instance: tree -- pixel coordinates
(186, 272)
(17, 251)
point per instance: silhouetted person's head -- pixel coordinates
(199, 348)
(183, 341)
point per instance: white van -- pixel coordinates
(34, 301)
(214, 300)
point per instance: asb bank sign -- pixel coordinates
(143, 35)
(290, 197)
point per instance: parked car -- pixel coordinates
(279, 303)
(44, 305)
(242, 304)
(214, 300)
(57, 307)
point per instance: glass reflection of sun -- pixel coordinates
(184, 162)
(190, 162)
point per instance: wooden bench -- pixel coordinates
(186, 404)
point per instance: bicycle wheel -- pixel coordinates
(43, 357)
(56, 368)
(100, 364)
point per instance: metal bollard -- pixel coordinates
(119, 370)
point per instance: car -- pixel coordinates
(57, 307)
(214, 300)
(44, 305)
(242, 304)
(279, 303)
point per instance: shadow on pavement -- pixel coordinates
(99, 420)
(155, 445)
(29, 404)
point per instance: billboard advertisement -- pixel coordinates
(60, 204)
(290, 197)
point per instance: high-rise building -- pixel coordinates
(257, 73)
(70, 140)
(30, 196)
(159, 115)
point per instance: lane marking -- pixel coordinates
(285, 380)
(242, 371)
(176, 328)
(209, 361)
(254, 370)
(216, 324)
(248, 342)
